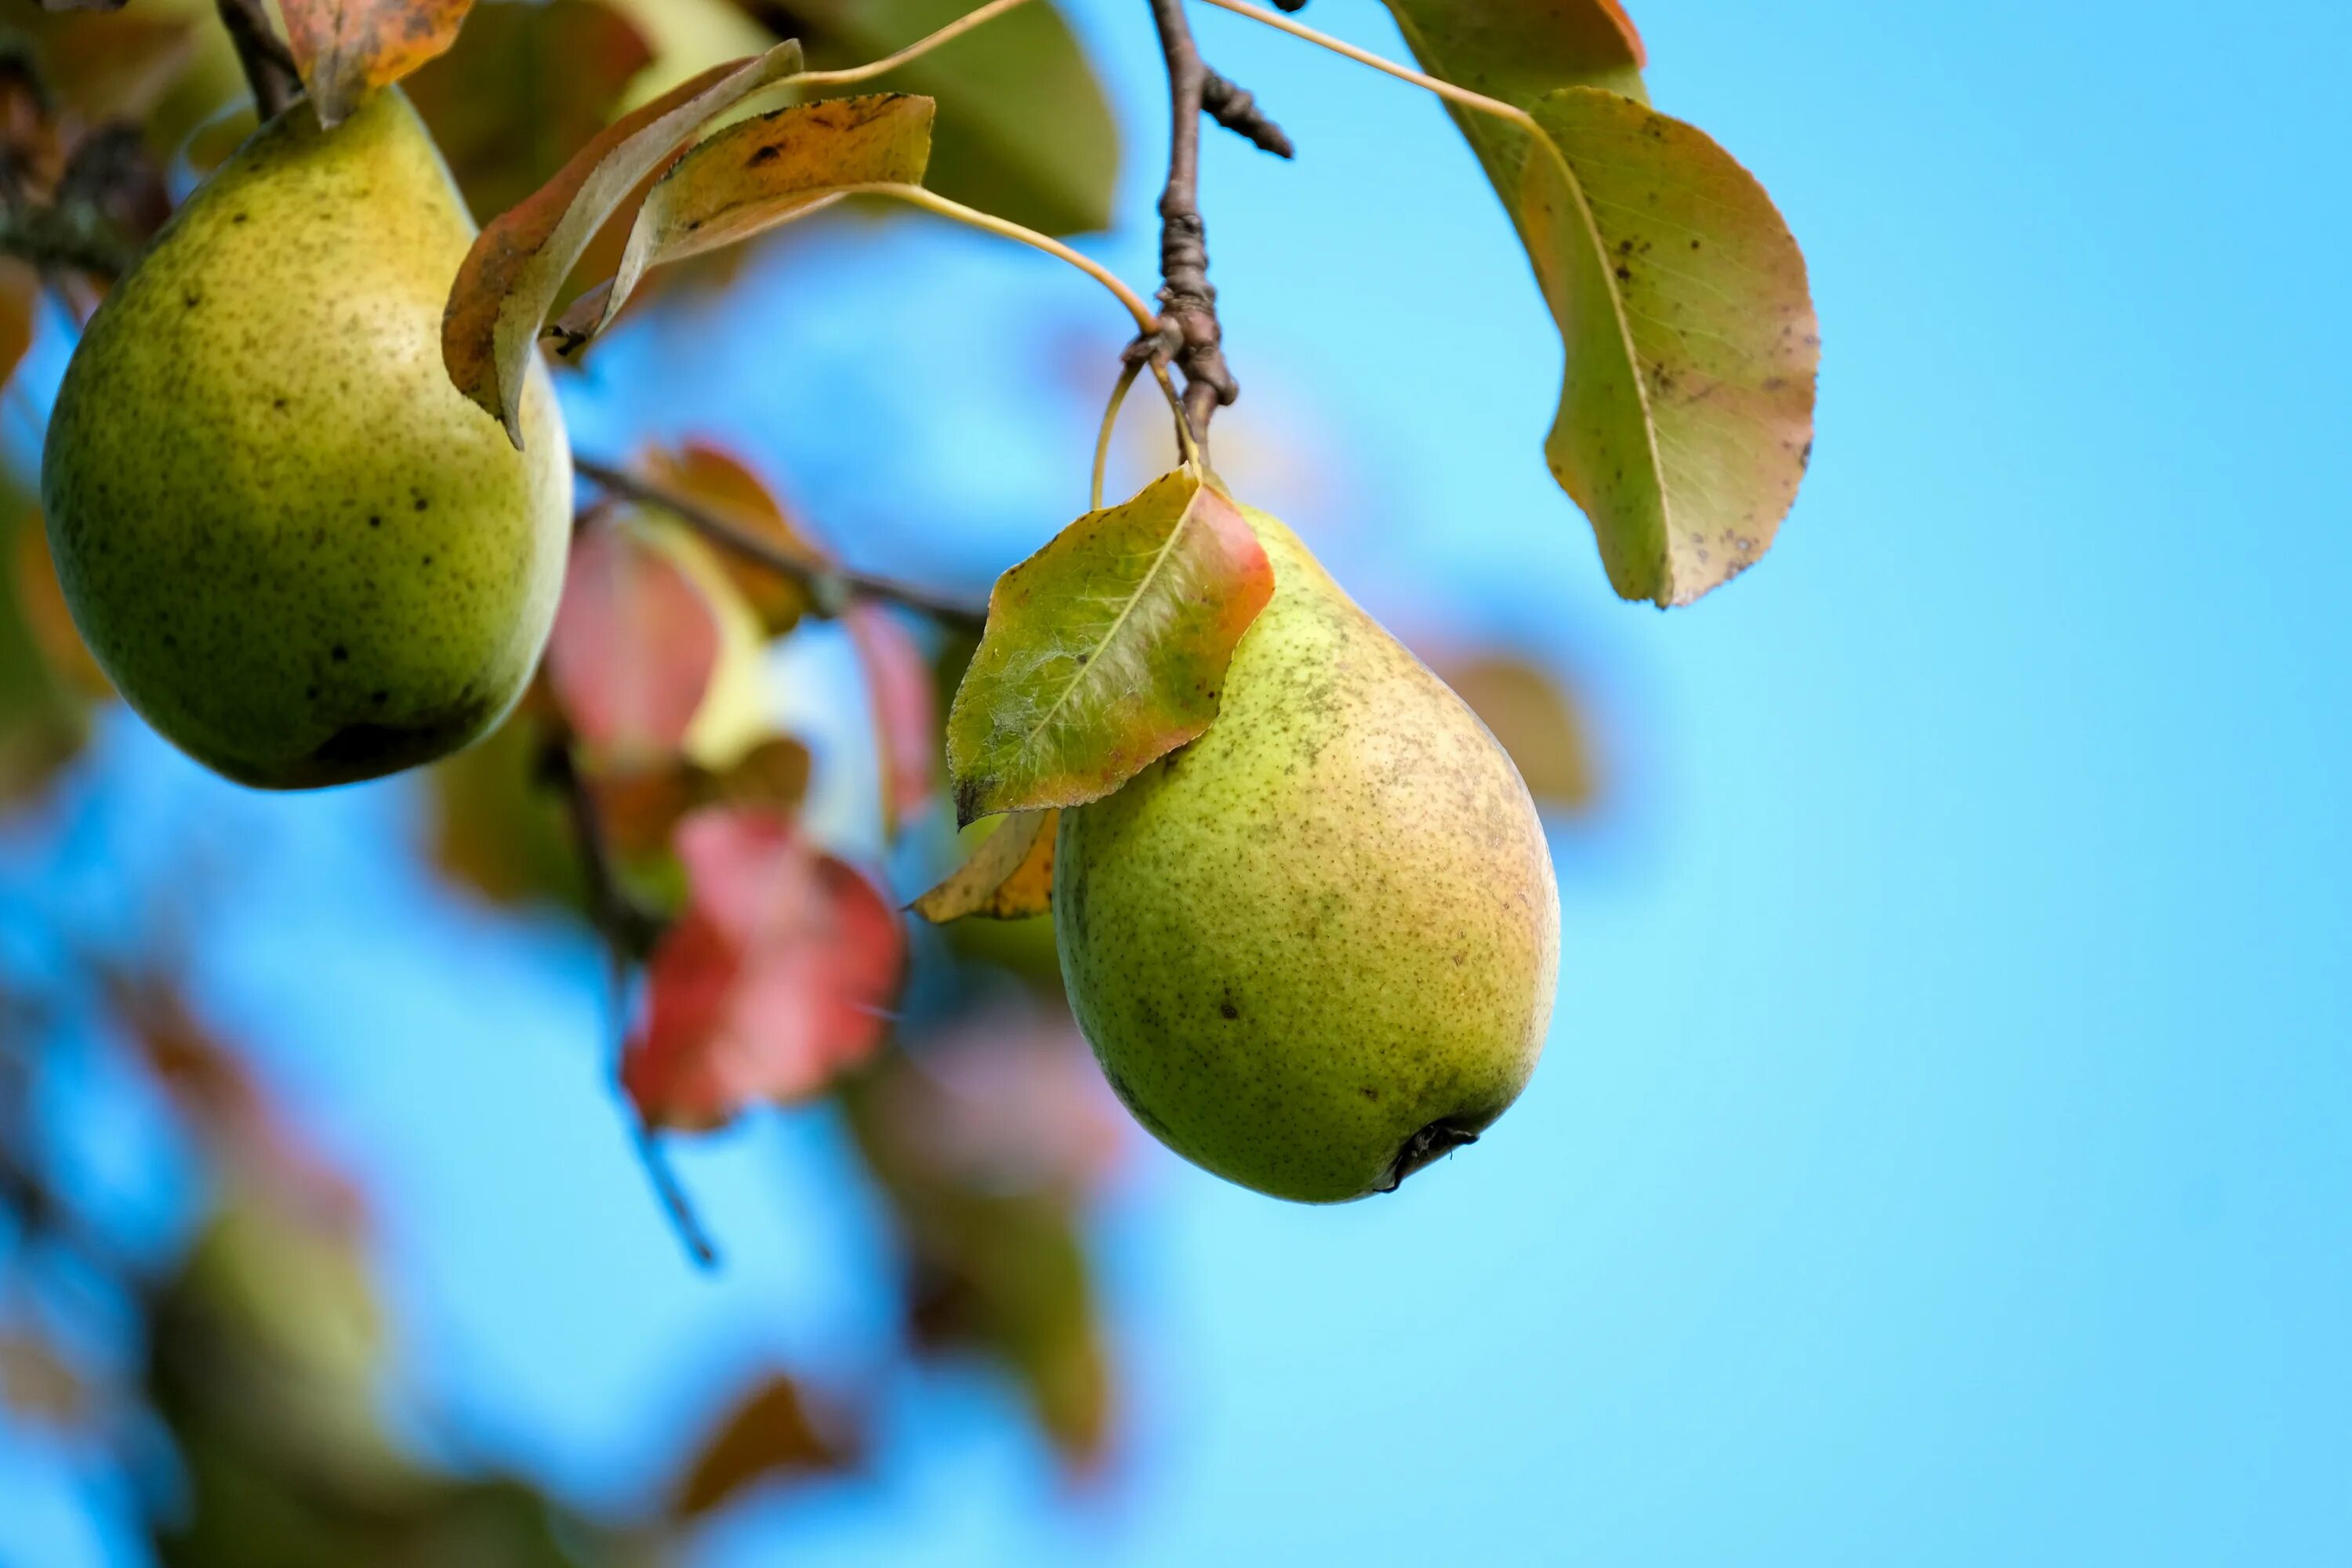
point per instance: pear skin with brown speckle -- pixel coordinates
(294, 548)
(1316, 949)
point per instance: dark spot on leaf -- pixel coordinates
(240, 218)
(1624, 274)
(764, 156)
(340, 653)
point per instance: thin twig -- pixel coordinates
(269, 64)
(620, 923)
(1233, 106)
(1188, 304)
(832, 586)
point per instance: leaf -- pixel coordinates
(497, 829)
(635, 649)
(772, 775)
(106, 66)
(1026, 129)
(759, 173)
(1009, 878)
(524, 87)
(518, 262)
(771, 1435)
(1105, 650)
(726, 486)
(776, 978)
(42, 600)
(346, 49)
(904, 709)
(1685, 416)
(36, 1387)
(1518, 52)
(20, 296)
(1526, 710)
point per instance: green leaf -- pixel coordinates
(1025, 131)
(759, 173)
(1686, 412)
(1106, 650)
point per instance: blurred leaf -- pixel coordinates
(1025, 128)
(41, 723)
(769, 1435)
(1009, 877)
(42, 600)
(636, 645)
(104, 66)
(778, 975)
(520, 260)
(724, 485)
(525, 85)
(20, 295)
(756, 173)
(772, 776)
(497, 829)
(1518, 52)
(346, 49)
(905, 713)
(35, 1386)
(1105, 650)
(1536, 722)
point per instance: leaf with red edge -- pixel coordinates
(728, 487)
(1009, 878)
(634, 647)
(518, 264)
(346, 49)
(906, 710)
(771, 1435)
(1106, 650)
(778, 976)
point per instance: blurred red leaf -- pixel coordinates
(776, 977)
(1006, 1100)
(771, 1435)
(347, 49)
(906, 710)
(634, 647)
(726, 486)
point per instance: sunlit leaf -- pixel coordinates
(346, 49)
(759, 173)
(905, 711)
(525, 85)
(636, 645)
(1518, 52)
(519, 263)
(778, 976)
(770, 1436)
(1009, 878)
(1536, 724)
(1026, 129)
(1105, 650)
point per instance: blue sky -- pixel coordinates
(1943, 1148)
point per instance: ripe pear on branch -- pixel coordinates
(296, 549)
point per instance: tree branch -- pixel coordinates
(1232, 107)
(269, 64)
(832, 586)
(1187, 302)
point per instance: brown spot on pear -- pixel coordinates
(256, 449)
(1320, 954)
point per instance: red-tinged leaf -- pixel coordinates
(1005, 1099)
(525, 85)
(904, 709)
(759, 173)
(1516, 52)
(1009, 878)
(1106, 650)
(635, 648)
(727, 486)
(778, 976)
(771, 1435)
(346, 49)
(519, 263)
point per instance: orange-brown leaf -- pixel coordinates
(346, 49)
(770, 1436)
(726, 486)
(1009, 878)
(519, 263)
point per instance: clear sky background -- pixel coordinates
(1943, 1151)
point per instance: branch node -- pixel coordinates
(1235, 108)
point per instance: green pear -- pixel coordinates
(1315, 948)
(299, 551)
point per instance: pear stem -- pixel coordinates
(833, 587)
(269, 64)
(923, 46)
(1127, 375)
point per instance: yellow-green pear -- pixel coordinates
(1315, 948)
(293, 545)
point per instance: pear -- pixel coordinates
(296, 549)
(1315, 948)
